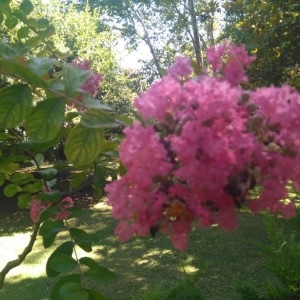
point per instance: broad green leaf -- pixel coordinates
(62, 263)
(95, 118)
(33, 187)
(26, 6)
(52, 196)
(4, 6)
(49, 31)
(65, 248)
(61, 282)
(96, 272)
(83, 239)
(38, 160)
(84, 144)
(24, 200)
(11, 189)
(32, 22)
(72, 291)
(73, 79)
(45, 120)
(33, 41)
(78, 179)
(47, 174)
(51, 183)
(20, 70)
(21, 15)
(11, 51)
(7, 166)
(11, 22)
(15, 105)
(49, 213)
(22, 178)
(49, 230)
(43, 23)
(23, 32)
(40, 66)
(90, 102)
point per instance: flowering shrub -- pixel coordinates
(202, 146)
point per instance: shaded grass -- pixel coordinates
(149, 266)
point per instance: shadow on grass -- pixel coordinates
(13, 219)
(223, 259)
(27, 289)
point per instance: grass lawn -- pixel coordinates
(144, 266)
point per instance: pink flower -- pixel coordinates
(203, 145)
(63, 205)
(91, 85)
(181, 68)
(230, 61)
(36, 208)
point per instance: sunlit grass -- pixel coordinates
(143, 264)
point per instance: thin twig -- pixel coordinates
(21, 257)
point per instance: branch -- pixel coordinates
(21, 257)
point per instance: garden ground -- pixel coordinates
(222, 261)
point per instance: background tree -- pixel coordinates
(271, 31)
(181, 27)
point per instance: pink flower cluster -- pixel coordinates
(37, 207)
(203, 146)
(91, 85)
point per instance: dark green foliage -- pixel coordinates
(271, 31)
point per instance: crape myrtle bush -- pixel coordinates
(202, 146)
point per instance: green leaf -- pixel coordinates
(78, 179)
(40, 66)
(52, 196)
(21, 15)
(73, 79)
(90, 102)
(33, 187)
(72, 291)
(26, 6)
(19, 69)
(83, 239)
(49, 230)
(96, 272)
(65, 248)
(7, 166)
(49, 31)
(49, 212)
(15, 105)
(83, 144)
(61, 282)
(33, 41)
(43, 23)
(23, 32)
(10, 52)
(62, 263)
(22, 178)
(38, 160)
(45, 120)
(95, 118)
(11, 22)
(46, 174)
(24, 200)
(11, 189)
